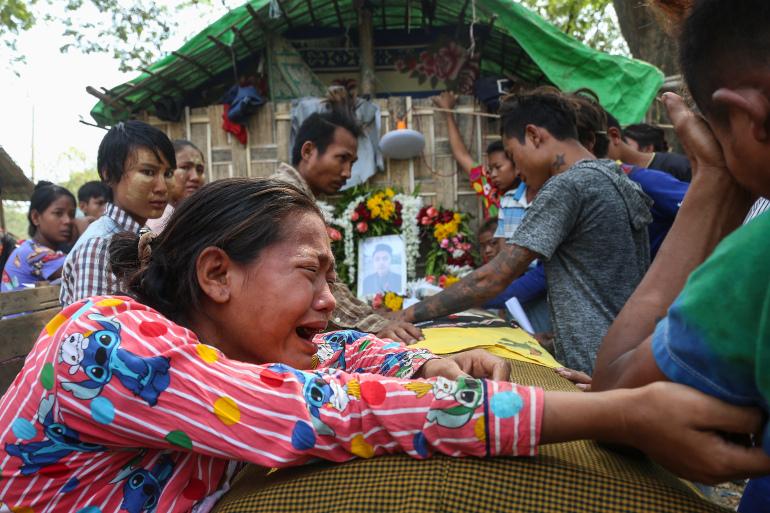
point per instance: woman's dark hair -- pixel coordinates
(495, 146)
(242, 216)
(122, 140)
(647, 135)
(718, 39)
(543, 108)
(319, 129)
(44, 194)
(180, 144)
(591, 122)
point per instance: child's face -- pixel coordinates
(143, 189)
(94, 206)
(502, 171)
(279, 302)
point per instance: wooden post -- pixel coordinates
(366, 48)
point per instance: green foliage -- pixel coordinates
(15, 213)
(15, 17)
(591, 21)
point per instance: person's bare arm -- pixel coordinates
(714, 206)
(447, 100)
(677, 426)
(475, 289)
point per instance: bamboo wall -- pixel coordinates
(436, 176)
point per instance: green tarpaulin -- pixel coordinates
(520, 43)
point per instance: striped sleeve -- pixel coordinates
(142, 381)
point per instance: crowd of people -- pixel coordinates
(204, 327)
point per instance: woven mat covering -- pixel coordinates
(568, 477)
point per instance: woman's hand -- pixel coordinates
(682, 429)
(400, 331)
(477, 363)
(580, 379)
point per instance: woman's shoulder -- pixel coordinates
(125, 322)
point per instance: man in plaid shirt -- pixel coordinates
(137, 161)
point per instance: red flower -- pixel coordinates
(398, 221)
(377, 301)
(334, 234)
(362, 227)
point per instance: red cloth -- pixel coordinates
(239, 131)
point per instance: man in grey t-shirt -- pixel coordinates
(588, 224)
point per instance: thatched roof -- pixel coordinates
(14, 185)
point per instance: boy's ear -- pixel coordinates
(83, 205)
(532, 133)
(751, 102)
(614, 134)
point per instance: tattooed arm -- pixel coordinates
(475, 289)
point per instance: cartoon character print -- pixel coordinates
(60, 441)
(403, 360)
(467, 392)
(142, 488)
(99, 356)
(317, 393)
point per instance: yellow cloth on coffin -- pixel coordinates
(512, 343)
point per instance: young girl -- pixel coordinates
(137, 161)
(189, 176)
(150, 402)
(51, 214)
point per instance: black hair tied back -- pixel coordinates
(241, 216)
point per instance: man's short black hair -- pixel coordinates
(545, 109)
(495, 146)
(383, 247)
(647, 135)
(612, 122)
(720, 39)
(125, 138)
(94, 189)
(319, 129)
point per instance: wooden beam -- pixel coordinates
(105, 98)
(384, 16)
(163, 78)
(312, 13)
(255, 16)
(219, 44)
(195, 63)
(366, 49)
(243, 39)
(339, 14)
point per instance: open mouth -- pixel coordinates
(307, 332)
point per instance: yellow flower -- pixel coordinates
(457, 218)
(389, 192)
(450, 280)
(393, 301)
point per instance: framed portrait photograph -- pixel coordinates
(381, 265)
